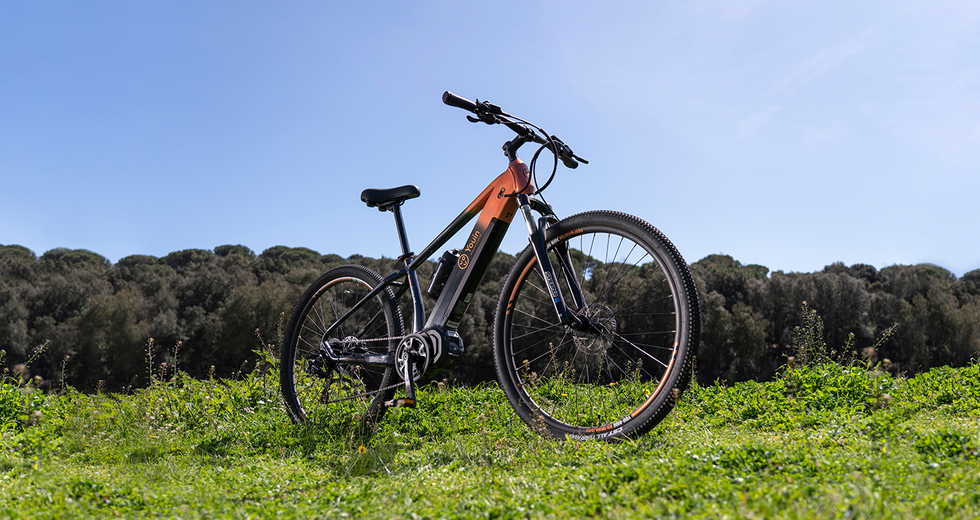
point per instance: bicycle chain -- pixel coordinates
(386, 338)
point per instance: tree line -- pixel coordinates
(71, 317)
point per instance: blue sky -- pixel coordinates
(788, 134)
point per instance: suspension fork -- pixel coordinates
(536, 230)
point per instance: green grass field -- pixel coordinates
(819, 442)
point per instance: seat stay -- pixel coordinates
(381, 312)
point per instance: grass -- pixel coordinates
(823, 441)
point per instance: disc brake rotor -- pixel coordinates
(597, 337)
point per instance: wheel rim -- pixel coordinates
(339, 395)
(596, 380)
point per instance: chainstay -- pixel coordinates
(380, 390)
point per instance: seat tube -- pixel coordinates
(544, 262)
(418, 308)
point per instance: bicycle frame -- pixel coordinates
(497, 205)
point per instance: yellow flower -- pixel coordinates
(362, 449)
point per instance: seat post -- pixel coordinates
(418, 308)
(402, 234)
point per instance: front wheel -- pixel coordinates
(620, 376)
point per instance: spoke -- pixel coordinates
(525, 313)
(649, 355)
(549, 351)
(612, 361)
(629, 298)
(591, 245)
(671, 313)
(611, 285)
(531, 333)
(648, 302)
(320, 322)
(542, 302)
(646, 333)
(639, 364)
(532, 284)
(585, 372)
(313, 348)
(612, 261)
(529, 347)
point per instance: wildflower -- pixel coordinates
(362, 449)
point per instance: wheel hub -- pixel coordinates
(595, 336)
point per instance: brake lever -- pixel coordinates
(566, 154)
(484, 117)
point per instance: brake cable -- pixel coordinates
(491, 114)
(549, 143)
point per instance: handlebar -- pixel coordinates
(492, 114)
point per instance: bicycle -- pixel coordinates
(595, 330)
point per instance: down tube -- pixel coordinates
(481, 245)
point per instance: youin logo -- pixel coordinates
(463, 262)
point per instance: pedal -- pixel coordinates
(403, 402)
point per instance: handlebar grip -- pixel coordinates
(455, 101)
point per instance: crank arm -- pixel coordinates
(409, 400)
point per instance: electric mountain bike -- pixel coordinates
(595, 329)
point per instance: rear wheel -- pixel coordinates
(620, 375)
(319, 392)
